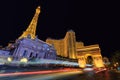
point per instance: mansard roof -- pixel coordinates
(35, 41)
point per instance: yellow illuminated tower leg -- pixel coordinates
(31, 30)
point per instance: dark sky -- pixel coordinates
(93, 22)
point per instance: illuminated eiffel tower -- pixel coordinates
(31, 30)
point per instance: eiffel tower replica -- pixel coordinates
(31, 30)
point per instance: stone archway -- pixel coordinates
(94, 52)
(89, 59)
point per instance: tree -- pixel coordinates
(115, 58)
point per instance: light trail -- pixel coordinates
(37, 72)
(44, 61)
(47, 61)
(97, 71)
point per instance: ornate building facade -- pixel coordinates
(33, 48)
(70, 48)
(29, 46)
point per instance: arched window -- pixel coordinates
(31, 55)
(46, 55)
(36, 55)
(24, 53)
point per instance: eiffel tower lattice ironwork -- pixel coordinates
(31, 30)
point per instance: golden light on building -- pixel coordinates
(31, 30)
(82, 62)
(94, 52)
(65, 47)
(70, 48)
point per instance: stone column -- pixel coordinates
(82, 62)
(98, 61)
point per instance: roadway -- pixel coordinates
(57, 74)
(53, 76)
(60, 74)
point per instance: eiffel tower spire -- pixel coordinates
(31, 30)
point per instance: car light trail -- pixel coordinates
(36, 72)
(100, 70)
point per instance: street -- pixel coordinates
(65, 74)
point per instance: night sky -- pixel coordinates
(93, 22)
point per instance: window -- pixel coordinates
(24, 54)
(31, 55)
